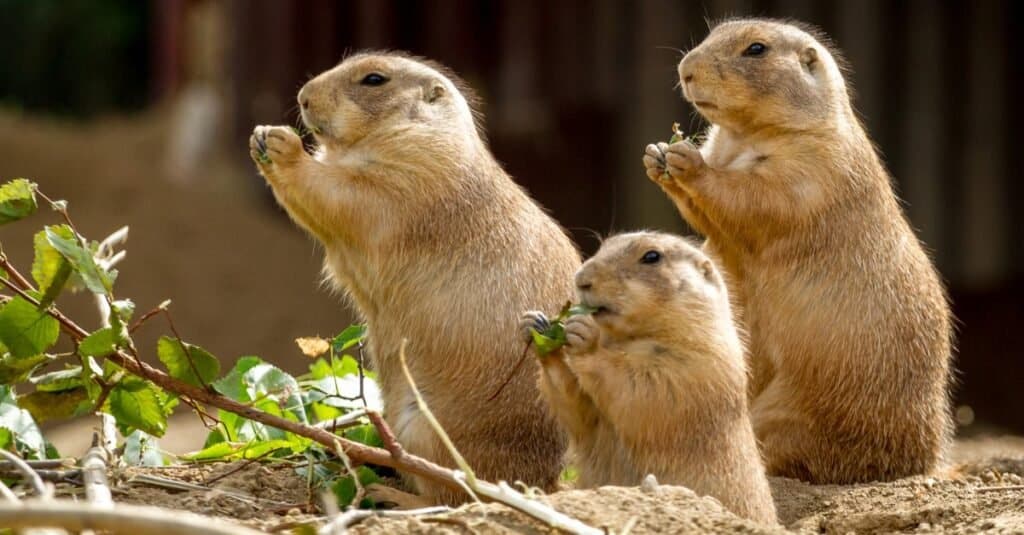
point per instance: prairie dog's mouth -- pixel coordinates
(310, 124)
(704, 105)
(601, 309)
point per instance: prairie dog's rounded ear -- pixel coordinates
(708, 270)
(434, 91)
(809, 57)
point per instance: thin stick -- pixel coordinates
(94, 474)
(27, 472)
(13, 273)
(360, 491)
(339, 523)
(45, 463)
(460, 461)
(343, 421)
(7, 493)
(992, 489)
(120, 519)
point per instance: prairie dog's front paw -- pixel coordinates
(274, 146)
(654, 162)
(683, 161)
(581, 334)
(532, 320)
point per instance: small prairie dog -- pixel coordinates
(848, 320)
(654, 381)
(431, 241)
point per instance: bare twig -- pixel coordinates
(149, 314)
(357, 498)
(515, 369)
(70, 475)
(120, 519)
(460, 461)
(21, 281)
(94, 474)
(343, 421)
(7, 493)
(39, 464)
(1005, 487)
(340, 523)
(27, 473)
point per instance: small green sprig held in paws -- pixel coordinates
(553, 337)
(677, 136)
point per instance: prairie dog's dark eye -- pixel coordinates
(755, 49)
(374, 79)
(650, 257)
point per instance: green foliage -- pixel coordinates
(139, 404)
(97, 279)
(186, 362)
(98, 344)
(50, 269)
(17, 200)
(141, 449)
(350, 337)
(18, 431)
(553, 337)
(25, 330)
(91, 379)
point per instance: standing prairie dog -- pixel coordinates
(849, 324)
(432, 242)
(654, 381)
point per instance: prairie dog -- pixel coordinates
(850, 329)
(431, 241)
(655, 381)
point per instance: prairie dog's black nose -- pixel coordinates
(303, 98)
(687, 78)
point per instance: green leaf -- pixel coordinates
(352, 335)
(121, 312)
(345, 488)
(49, 268)
(98, 344)
(233, 384)
(172, 352)
(142, 449)
(65, 379)
(581, 310)
(139, 404)
(365, 434)
(46, 406)
(17, 200)
(97, 279)
(15, 370)
(24, 433)
(553, 337)
(26, 330)
(546, 343)
(217, 451)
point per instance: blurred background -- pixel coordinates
(138, 113)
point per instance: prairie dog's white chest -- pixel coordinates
(721, 151)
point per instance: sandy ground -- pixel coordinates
(983, 491)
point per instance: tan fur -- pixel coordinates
(654, 382)
(433, 242)
(849, 324)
